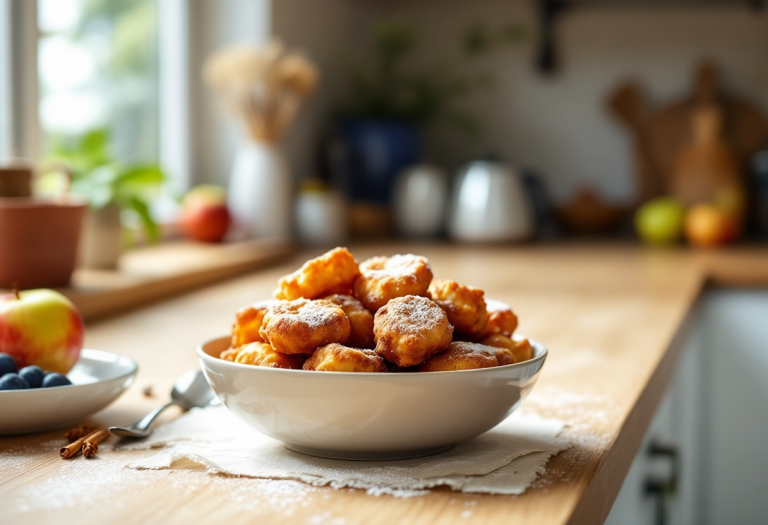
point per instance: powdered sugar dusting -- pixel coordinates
(77, 482)
(415, 315)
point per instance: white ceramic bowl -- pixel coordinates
(98, 379)
(369, 416)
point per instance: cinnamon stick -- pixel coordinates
(74, 434)
(74, 448)
(91, 443)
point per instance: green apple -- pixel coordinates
(660, 221)
(41, 327)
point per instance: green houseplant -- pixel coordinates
(113, 190)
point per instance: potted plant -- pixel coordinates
(113, 190)
(390, 103)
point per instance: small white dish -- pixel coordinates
(368, 416)
(98, 379)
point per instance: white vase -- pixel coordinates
(101, 241)
(260, 192)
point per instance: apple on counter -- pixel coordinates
(663, 221)
(660, 221)
(710, 225)
(204, 214)
(40, 328)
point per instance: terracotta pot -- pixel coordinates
(16, 181)
(38, 241)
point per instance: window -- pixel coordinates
(98, 69)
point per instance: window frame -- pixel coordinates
(19, 124)
(19, 92)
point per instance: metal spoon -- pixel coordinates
(190, 390)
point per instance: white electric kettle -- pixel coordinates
(490, 204)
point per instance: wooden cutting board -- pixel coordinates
(660, 133)
(152, 273)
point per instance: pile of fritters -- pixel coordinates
(386, 314)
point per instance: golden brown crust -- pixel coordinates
(339, 358)
(461, 356)
(301, 326)
(333, 272)
(410, 329)
(509, 350)
(262, 354)
(229, 354)
(360, 319)
(248, 323)
(464, 305)
(384, 278)
(501, 319)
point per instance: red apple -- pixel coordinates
(710, 225)
(41, 327)
(204, 214)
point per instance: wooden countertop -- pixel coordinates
(612, 317)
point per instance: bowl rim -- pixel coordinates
(540, 349)
(85, 352)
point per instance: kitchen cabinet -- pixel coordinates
(714, 415)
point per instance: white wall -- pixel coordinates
(214, 134)
(559, 124)
(327, 31)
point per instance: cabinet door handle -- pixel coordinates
(662, 488)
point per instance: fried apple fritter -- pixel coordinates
(410, 329)
(301, 326)
(464, 305)
(248, 323)
(360, 319)
(509, 350)
(331, 273)
(501, 319)
(229, 354)
(461, 356)
(262, 354)
(339, 358)
(384, 278)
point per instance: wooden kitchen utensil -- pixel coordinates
(707, 168)
(660, 134)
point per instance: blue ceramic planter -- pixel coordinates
(376, 152)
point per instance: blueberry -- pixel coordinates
(33, 375)
(55, 379)
(7, 365)
(13, 382)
